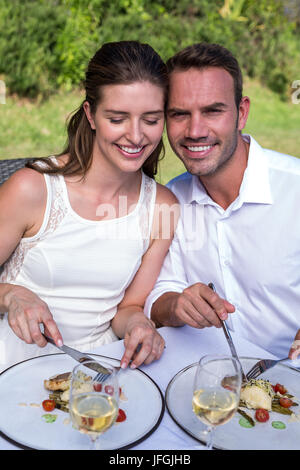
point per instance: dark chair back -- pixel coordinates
(8, 167)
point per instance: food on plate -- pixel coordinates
(59, 382)
(48, 405)
(121, 416)
(49, 418)
(59, 396)
(278, 425)
(263, 397)
(257, 394)
(246, 421)
(262, 415)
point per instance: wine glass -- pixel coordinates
(94, 404)
(216, 392)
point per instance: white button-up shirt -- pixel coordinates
(250, 251)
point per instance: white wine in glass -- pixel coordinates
(93, 404)
(216, 393)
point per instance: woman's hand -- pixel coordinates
(26, 311)
(143, 344)
(295, 348)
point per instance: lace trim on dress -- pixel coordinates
(146, 210)
(57, 212)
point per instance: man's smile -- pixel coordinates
(197, 150)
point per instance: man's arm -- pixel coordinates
(162, 312)
(173, 302)
(197, 306)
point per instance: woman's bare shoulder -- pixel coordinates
(26, 184)
(164, 195)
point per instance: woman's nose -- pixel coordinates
(135, 133)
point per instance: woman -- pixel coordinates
(81, 234)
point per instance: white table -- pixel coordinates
(184, 346)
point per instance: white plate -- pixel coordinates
(232, 435)
(24, 425)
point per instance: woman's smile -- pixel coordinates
(131, 152)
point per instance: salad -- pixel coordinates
(265, 398)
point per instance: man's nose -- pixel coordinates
(197, 128)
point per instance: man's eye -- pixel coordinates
(177, 114)
(213, 111)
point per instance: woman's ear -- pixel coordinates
(87, 110)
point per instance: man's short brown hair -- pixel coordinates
(204, 55)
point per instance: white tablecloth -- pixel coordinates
(184, 346)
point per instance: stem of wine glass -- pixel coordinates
(94, 442)
(210, 436)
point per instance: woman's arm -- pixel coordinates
(295, 348)
(143, 343)
(22, 204)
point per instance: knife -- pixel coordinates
(80, 357)
(229, 339)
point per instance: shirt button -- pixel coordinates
(227, 262)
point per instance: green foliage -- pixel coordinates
(27, 40)
(76, 41)
(46, 44)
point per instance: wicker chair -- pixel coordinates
(8, 167)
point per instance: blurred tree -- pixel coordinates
(45, 44)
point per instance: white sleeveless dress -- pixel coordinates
(79, 267)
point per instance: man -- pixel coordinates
(239, 225)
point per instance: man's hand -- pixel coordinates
(200, 307)
(295, 348)
(26, 311)
(143, 344)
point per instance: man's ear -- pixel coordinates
(87, 110)
(244, 108)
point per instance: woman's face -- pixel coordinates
(129, 122)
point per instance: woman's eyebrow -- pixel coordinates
(115, 111)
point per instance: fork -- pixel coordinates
(103, 373)
(261, 366)
(229, 339)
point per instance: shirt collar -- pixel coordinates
(255, 186)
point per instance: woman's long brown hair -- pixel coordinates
(114, 63)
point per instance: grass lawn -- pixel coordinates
(30, 129)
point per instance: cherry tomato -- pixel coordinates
(48, 405)
(98, 387)
(109, 389)
(121, 416)
(280, 388)
(262, 415)
(285, 402)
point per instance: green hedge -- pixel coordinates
(46, 44)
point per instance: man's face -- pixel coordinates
(203, 122)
